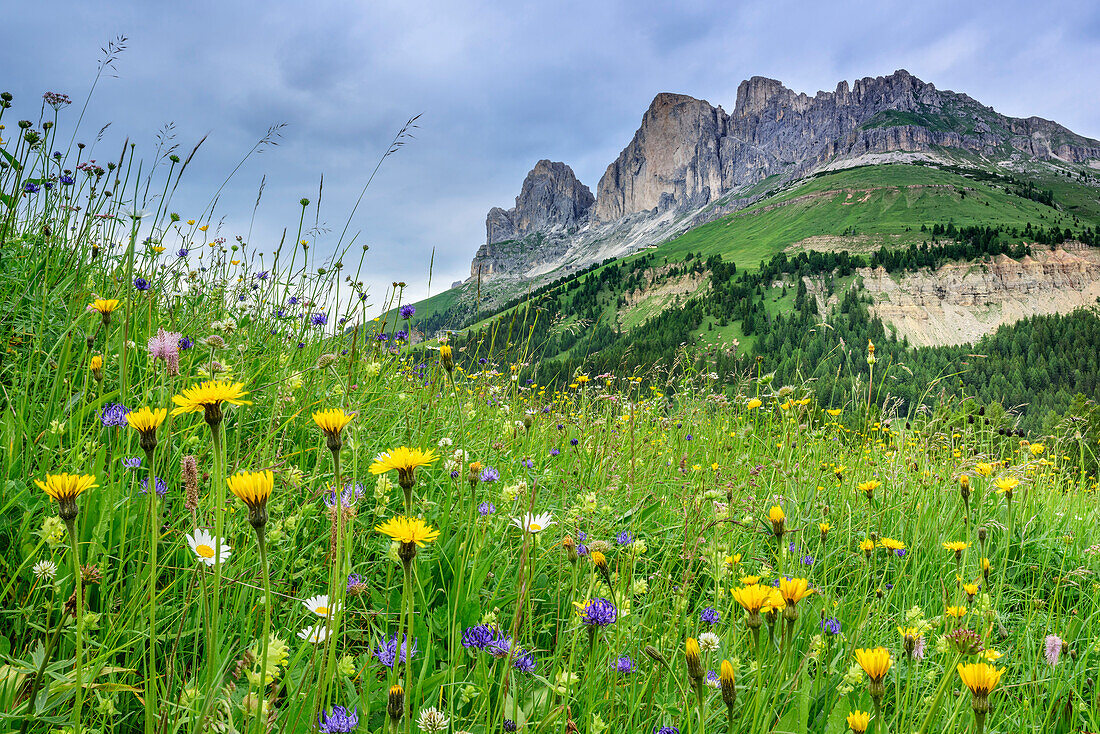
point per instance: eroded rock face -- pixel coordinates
(673, 161)
(687, 153)
(961, 302)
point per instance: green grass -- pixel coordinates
(890, 214)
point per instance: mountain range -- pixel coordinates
(691, 162)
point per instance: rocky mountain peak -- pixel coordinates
(551, 198)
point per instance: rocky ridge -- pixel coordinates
(690, 162)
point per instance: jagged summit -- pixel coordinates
(687, 156)
(551, 197)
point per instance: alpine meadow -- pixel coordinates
(790, 424)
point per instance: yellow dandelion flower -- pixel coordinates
(405, 461)
(408, 530)
(103, 306)
(146, 419)
(875, 662)
(858, 721)
(208, 396)
(980, 678)
(794, 590)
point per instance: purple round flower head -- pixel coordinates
(624, 538)
(582, 537)
(318, 319)
(688, 437)
(582, 549)
(262, 275)
(340, 720)
(573, 442)
(455, 474)
(185, 343)
(489, 474)
(528, 463)
(382, 337)
(554, 452)
(624, 665)
(524, 662)
(242, 297)
(293, 301)
(791, 547)
(161, 487)
(712, 678)
(182, 252)
(349, 496)
(387, 650)
(301, 345)
(478, 637)
(401, 336)
(710, 615)
(483, 360)
(30, 188)
(900, 553)
(486, 508)
(407, 311)
(48, 185)
(356, 584)
(666, 730)
(114, 415)
(510, 725)
(131, 462)
(66, 180)
(598, 613)
(807, 560)
(831, 625)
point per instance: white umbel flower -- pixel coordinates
(432, 719)
(534, 523)
(321, 606)
(205, 546)
(316, 634)
(45, 570)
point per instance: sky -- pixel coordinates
(497, 85)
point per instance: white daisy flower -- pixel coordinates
(320, 605)
(45, 570)
(534, 523)
(316, 635)
(205, 545)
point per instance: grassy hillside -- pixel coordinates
(876, 205)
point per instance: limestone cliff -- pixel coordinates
(960, 302)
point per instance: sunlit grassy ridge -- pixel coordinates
(579, 556)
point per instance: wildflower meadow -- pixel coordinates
(231, 504)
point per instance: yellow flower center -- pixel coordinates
(321, 610)
(535, 527)
(204, 550)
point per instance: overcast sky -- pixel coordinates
(499, 86)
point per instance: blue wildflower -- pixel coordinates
(114, 414)
(340, 720)
(387, 650)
